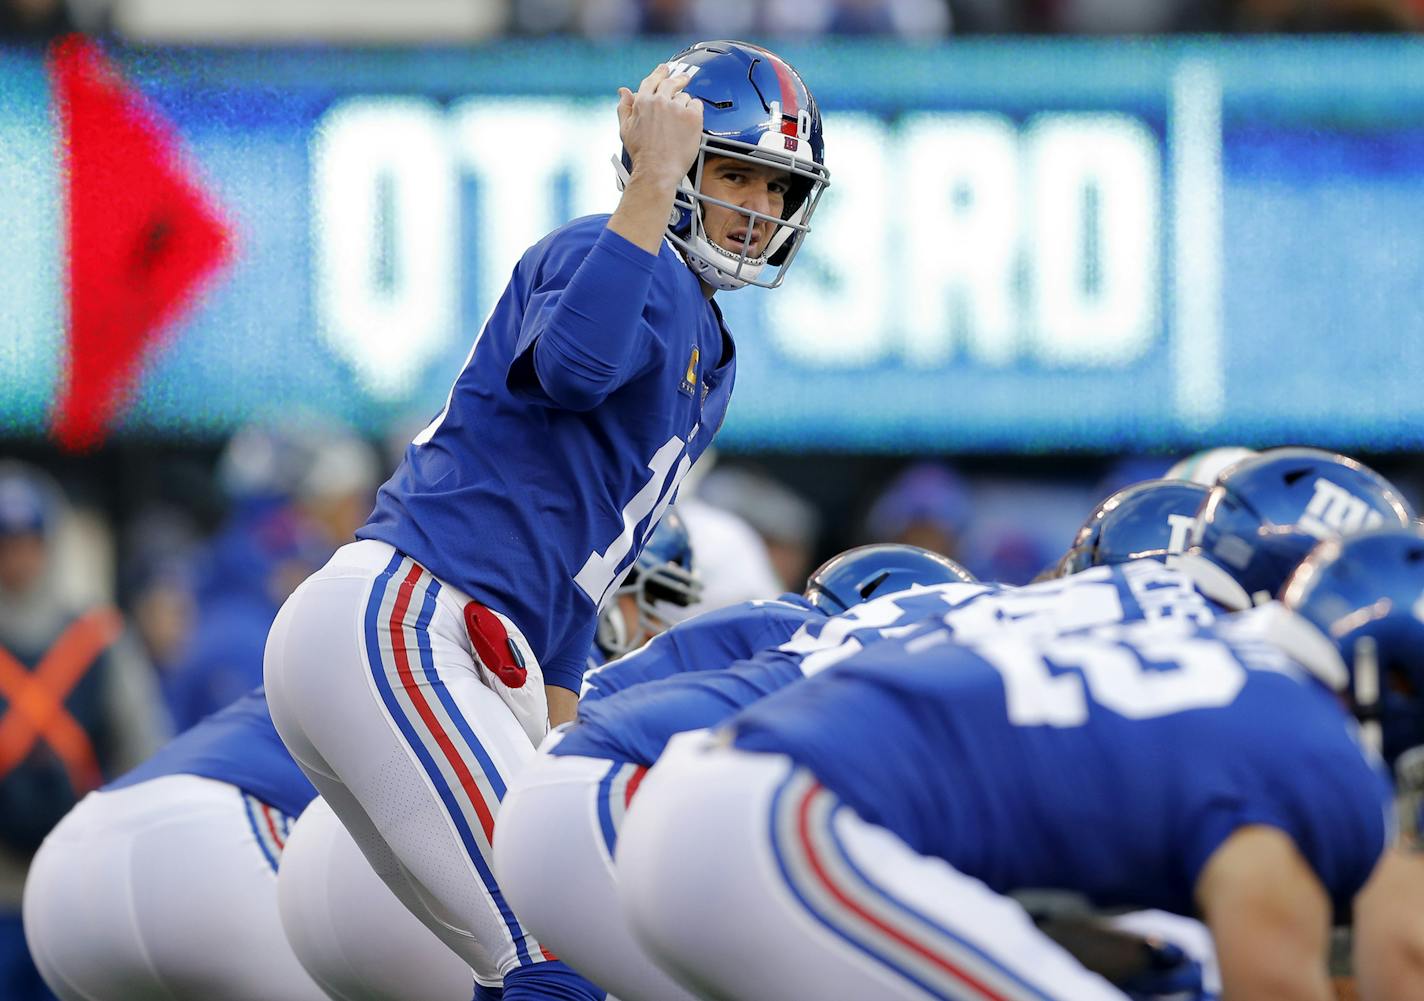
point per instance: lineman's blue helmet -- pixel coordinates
(867, 572)
(1265, 514)
(1366, 593)
(1148, 519)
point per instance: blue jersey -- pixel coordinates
(635, 724)
(238, 745)
(538, 506)
(706, 642)
(680, 688)
(1143, 590)
(1110, 763)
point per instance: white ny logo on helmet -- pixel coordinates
(682, 69)
(1334, 511)
(1181, 526)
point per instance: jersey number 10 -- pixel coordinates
(599, 577)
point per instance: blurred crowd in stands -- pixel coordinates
(417, 21)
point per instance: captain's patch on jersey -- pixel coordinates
(689, 378)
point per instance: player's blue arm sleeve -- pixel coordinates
(1335, 807)
(582, 343)
(708, 642)
(566, 669)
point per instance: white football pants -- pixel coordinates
(348, 929)
(163, 890)
(554, 859)
(373, 685)
(746, 879)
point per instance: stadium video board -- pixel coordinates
(1029, 245)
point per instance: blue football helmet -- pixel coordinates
(662, 574)
(755, 108)
(1366, 593)
(1149, 519)
(867, 572)
(1265, 514)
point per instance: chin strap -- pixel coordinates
(1298, 638)
(1409, 784)
(1212, 581)
(1367, 693)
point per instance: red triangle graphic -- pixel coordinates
(142, 237)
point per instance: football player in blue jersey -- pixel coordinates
(164, 882)
(583, 786)
(585, 783)
(575, 795)
(179, 869)
(864, 827)
(417, 671)
(714, 640)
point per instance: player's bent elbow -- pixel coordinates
(1389, 930)
(578, 399)
(572, 386)
(1269, 917)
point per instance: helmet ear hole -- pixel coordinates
(860, 574)
(873, 585)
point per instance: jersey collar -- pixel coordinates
(1298, 639)
(1212, 581)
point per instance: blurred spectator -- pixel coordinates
(297, 493)
(381, 22)
(1124, 17)
(729, 557)
(1022, 524)
(1324, 16)
(158, 583)
(787, 523)
(927, 505)
(78, 703)
(902, 18)
(34, 20)
(1016, 557)
(683, 18)
(750, 18)
(1126, 471)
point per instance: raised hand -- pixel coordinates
(661, 126)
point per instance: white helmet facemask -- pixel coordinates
(725, 269)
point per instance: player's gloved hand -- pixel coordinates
(661, 126)
(508, 668)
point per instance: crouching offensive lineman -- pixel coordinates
(866, 825)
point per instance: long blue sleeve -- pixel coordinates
(588, 340)
(566, 668)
